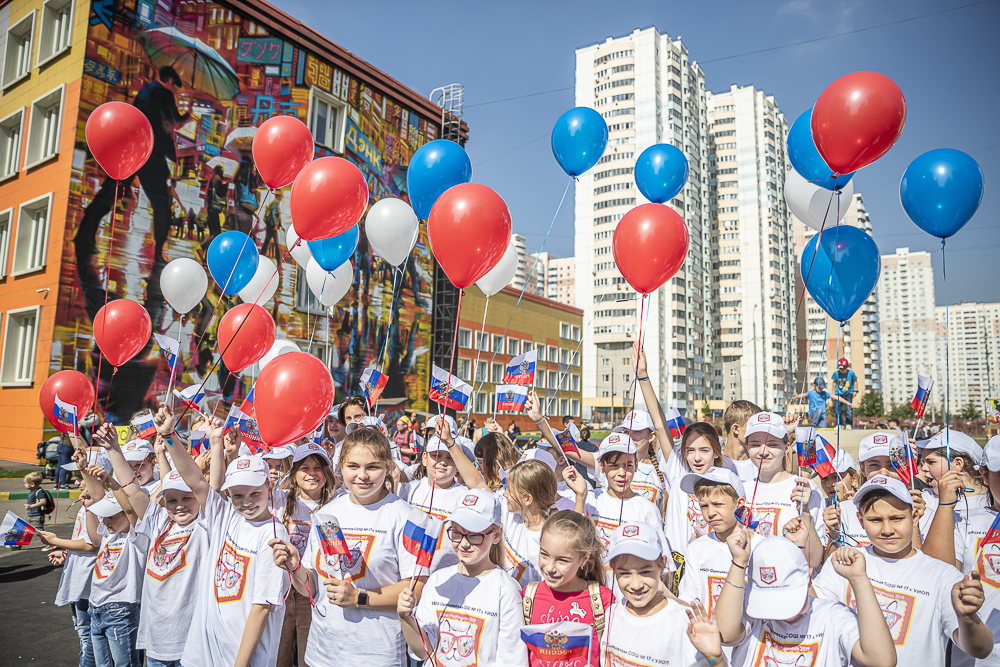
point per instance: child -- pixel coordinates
(496, 455)
(925, 603)
(650, 627)
(818, 396)
(556, 462)
(355, 616)
(142, 460)
(469, 613)
(279, 462)
(735, 419)
(965, 457)
(841, 484)
(238, 614)
(778, 622)
(572, 589)
(38, 500)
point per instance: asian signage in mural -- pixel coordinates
(206, 77)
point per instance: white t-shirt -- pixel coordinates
(853, 533)
(520, 549)
(825, 635)
(646, 482)
(747, 471)
(683, 522)
(301, 522)
(969, 533)
(605, 510)
(472, 620)
(240, 574)
(118, 569)
(74, 583)
(657, 639)
(915, 596)
(418, 494)
(172, 583)
(773, 506)
(705, 569)
(962, 507)
(374, 534)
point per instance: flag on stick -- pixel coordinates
(16, 531)
(191, 397)
(675, 423)
(566, 442)
(919, 402)
(448, 390)
(65, 414)
(420, 536)
(199, 443)
(521, 369)
(824, 453)
(144, 426)
(511, 397)
(331, 539)
(170, 349)
(805, 445)
(902, 458)
(372, 384)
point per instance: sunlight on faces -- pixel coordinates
(699, 455)
(641, 436)
(619, 469)
(181, 506)
(468, 552)
(878, 465)
(143, 470)
(558, 561)
(935, 464)
(353, 413)
(274, 470)
(117, 523)
(718, 508)
(841, 484)
(515, 501)
(441, 465)
(310, 476)
(364, 474)
(766, 451)
(992, 481)
(250, 501)
(889, 524)
(638, 579)
(334, 429)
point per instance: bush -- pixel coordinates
(871, 405)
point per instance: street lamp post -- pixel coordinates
(756, 383)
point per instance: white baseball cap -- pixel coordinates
(766, 422)
(433, 422)
(890, 484)
(477, 511)
(958, 441)
(635, 538)
(174, 481)
(876, 444)
(246, 471)
(282, 452)
(137, 450)
(378, 422)
(541, 455)
(779, 580)
(309, 449)
(94, 457)
(716, 475)
(616, 442)
(436, 444)
(106, 506)
(843, 461)
(991, 455)
(636, 420)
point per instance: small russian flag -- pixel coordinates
(246, 426)
(170, 348)
(199, 443)
(191, 396)
(247, 407)
(144, 426)
(566, 442)
(331, 539)
(420, 536)
(919, 402)
(448, 390)
(805, 445)
(372, 384)
(563, 643)
(825, 453)
(902, 458)
(16, 531)
(511, 397)
(317, 435)
(521, 369)
(675, 423)
(65, 415)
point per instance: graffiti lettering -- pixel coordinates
(104, 11)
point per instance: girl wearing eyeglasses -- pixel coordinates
(469, 613)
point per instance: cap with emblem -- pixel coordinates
(106, 506)
(137, 450)
(635, 538)
(716, 475)
(539, 454)
(309, 449)
(476, 511)
(883, 482)
(876, 444)
(174, 481)
(636, 420)
(958, 441)
(246, 471)
(779, 580)
(766, 422)
(616, 442)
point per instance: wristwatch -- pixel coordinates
(362, 598)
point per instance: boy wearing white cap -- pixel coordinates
(765, 609)
(925, 603)
(142, 460)
(650, 628)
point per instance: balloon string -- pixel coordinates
(447, 391)
(947, 360)
(635, 386)
(475, 368)
(316, 320)
(396, 289)
(107, 286)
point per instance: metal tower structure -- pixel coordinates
(451, 99)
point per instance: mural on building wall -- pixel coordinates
(205, 77)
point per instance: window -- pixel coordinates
(564, 330)
(541, 353)
(482, 341)
(327, 117)
(564, 356)
(305, 300)
(465, 369)
(550, 406)
(574, 407)
(481, 367)
(553, 380)
(539, 378)
(11, 131)
(20, 337)
(575, 358)
(526, 346)
(483, 402)
(497, 373)
(575, 333)
(497, 344)
(465, 338)
(512, 346)
(563, 406)
(626, 377)
(553, 354)
(575, 385)
(56, 32)
(17, 55)
(32, 235)
(4, 239)
(43, 127)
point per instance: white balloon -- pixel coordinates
(501, 274)
(329, 286)
(279, 348)
(392, 229)
(183, 283)
(264, 283)
(809, 202)
(301, 254)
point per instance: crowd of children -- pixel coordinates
(695, 552)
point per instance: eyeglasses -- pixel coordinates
(475, 539)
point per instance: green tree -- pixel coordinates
(902, 411)
(871, 405)
(706, 411)
(970, 411)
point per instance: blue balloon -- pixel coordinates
(331, 253)
(806, 159)
(232, 259)
(661, 172)
(941, 191)
(579, 139)
(435, 167)
(842, 273)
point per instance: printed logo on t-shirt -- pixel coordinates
(460, 636)
(696, 520)
(470, 500)
(513, 565)
(348, 568)
(78, 527)
(767, 518)
(715, 585)
(989, 563)
(167, 557)
(298, 533)
(772, 653)
(767, 575)
(605, 529)
(107, 560)
(896, 607)
(616, 659)
(231, 570)
(650, 492)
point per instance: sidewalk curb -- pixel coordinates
(23, 495)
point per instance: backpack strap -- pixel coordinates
(528, 600)
(597, 607)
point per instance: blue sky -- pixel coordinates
(946, 65)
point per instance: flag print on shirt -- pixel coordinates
(989, 563)
(460, 634)
(650, 490)
(896, 607)
(605, 528)
(231, 573)
(108, 559)
(772, 653)
(352, 568)
(768, 520)
(167, 558)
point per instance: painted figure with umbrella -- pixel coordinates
(199, 66)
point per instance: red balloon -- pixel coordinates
(120, 138)
(469, 229)
(71, 387)
(246, 333)
(650, 244)
(329, 197)
(282, 146)
(122, 328)
(857, 119)
(291, 397)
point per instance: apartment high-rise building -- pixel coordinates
(649, 90)
(753, 258)
(817, 333)
(517, 281)
(973, 331)
(540, 266)
(906, 310)
(565, 280)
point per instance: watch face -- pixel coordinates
(362, 599)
